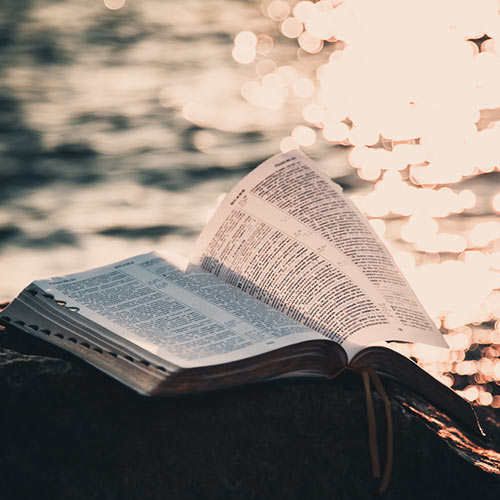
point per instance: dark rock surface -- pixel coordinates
(69, 432)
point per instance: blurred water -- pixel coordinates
(97, 160)
(119, 129)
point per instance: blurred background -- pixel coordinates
(122, 123)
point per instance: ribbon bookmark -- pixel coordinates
(370, 374)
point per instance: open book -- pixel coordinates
(287, 280)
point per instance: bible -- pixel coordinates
(287, 279)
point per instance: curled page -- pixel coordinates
(288, 236)
(190, 318)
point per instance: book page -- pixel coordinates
(288, 236)
(191, 319)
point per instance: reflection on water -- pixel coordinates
(123, 122)
(421, 112)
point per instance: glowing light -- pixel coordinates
(266, 66)
(496, 371)
(454, 291)
(458, 341)
(249, 89)
(302, 10)
(379, 226)
(114, 4)
(421, 111)
(264, 45)
(244, 54)
(484, 233)
(245, 38)
(363, 137)
(270, 93)
(288, 73)
(335, 131)
(278, 10)
(371, 205)
(495, 261)
(313, 113)
(291, 27)
(303, 87)
(403, 199)
(273, 80)
(288, 144)
(320, 21)
(400, 102)
(474, 258)
(466, 368)
(405, 261)
(305, 136)
(468, 198)
(310, 43)
(495, 203)
(429, 353)
(245, 47)
(444, 242)
(420, 227)
(369, 173)
(485, 398)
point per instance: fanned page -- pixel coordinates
(191, 319)
(287, 235)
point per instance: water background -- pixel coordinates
(97, 159)
(119, 130)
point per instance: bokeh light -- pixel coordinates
(245, 47)
(291, 27)
(304, 136)
(278, 10)
(114, 4)
(413, 89)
